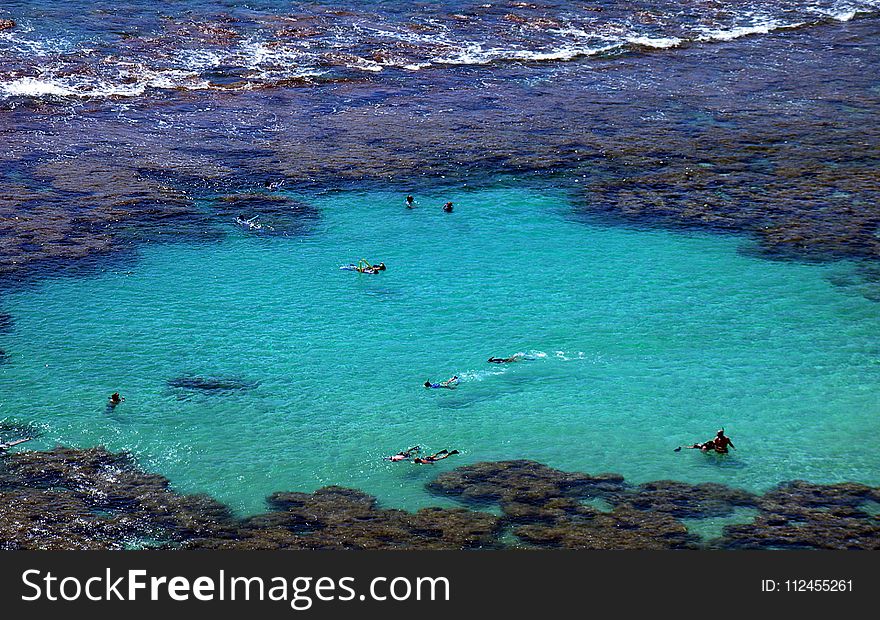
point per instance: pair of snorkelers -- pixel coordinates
(449, 384)
(411, 203)
(405, 455)
(718, 444)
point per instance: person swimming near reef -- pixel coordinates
(410, 202)
(718, 444)
(403, 455)
(506, 360)
(5, 446)
(437, 456)
(449, 384)
(115, 399)
(241, 220)
(365, 267)
(448, 207)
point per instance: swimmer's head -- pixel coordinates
(720, 432)
(427, 384)
(382, 266)
(409, 198)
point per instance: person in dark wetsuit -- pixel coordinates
(448, 207)
(115, 399)
(504, 360)
(410, 202)
(437, 456)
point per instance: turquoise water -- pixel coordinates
(643, 339)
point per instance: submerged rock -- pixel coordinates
(217, 385)
(801, 515)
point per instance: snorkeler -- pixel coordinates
(437, 456)
(448, 207)
(410, 202)
(115, 399)
(505, 360)
(241, 220)
(719, 444)
(365, 267)
(403, 455)
(449, 384)
(5, 446)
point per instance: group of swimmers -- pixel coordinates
(405, 455)
(411, 204)
(452, 382)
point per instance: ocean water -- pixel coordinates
(640, 340)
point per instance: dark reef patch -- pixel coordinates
(721, 140)
(95, 499)
(212, 385)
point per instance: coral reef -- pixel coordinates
(95, 499)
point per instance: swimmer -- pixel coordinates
(404, 455)
(5, 446)
(250, 223)
(410, 202)
(448, 207)
(437, 456)
(505, 360)
(115, 399)
(449, 384)
(718, 444)
(365, 267)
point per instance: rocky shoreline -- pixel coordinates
(94, 499)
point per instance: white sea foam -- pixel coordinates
(656, 42)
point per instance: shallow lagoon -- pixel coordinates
(643, 339)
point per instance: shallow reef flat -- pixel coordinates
(95, 499)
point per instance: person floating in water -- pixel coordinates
(5, 446)
(449, 384)
(437, 456)
(115, 399)
(241, 220)
(365, 267)
(719, 444)
(403, 455)
(410, 202)
(448, 207)
(506, 360)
